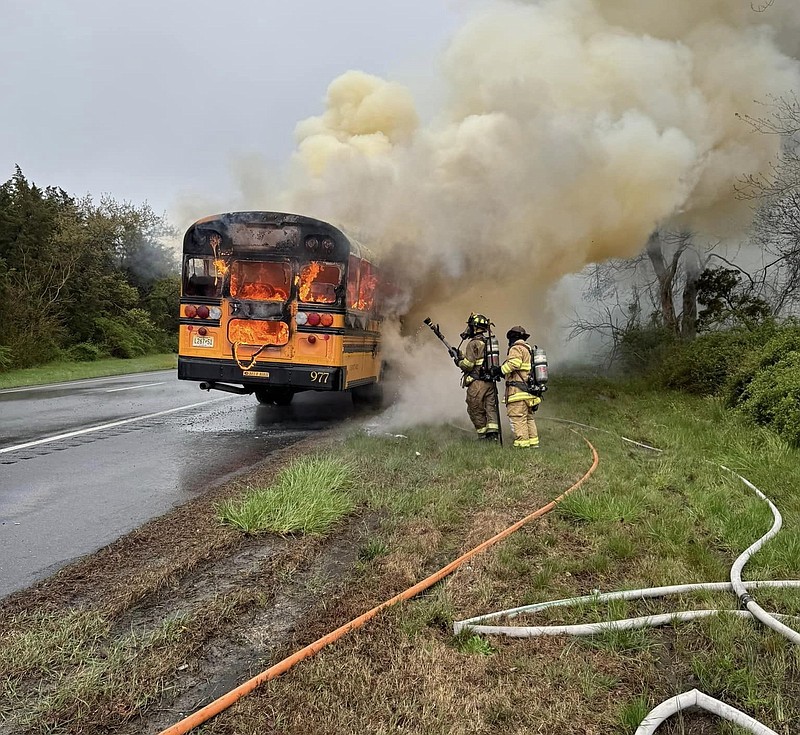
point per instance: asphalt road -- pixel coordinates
(83, 463)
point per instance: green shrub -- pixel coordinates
(706, 365)
(5, 358)
(780, 345)
(785, 342)
(772, 397)
(130, 334)
(642, 348)
(85, 352)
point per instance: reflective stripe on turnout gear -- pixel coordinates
(514, 363)
(523, 396)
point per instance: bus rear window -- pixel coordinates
(201, 278)
(260, 281)
(319, 283)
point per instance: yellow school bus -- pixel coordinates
(274, 304)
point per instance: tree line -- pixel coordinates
(82, 279)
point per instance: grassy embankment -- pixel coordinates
(61, 372)
(643, 520)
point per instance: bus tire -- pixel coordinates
(274, 396)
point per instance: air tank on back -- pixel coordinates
(539, 366)
(492, 352)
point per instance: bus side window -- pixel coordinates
(353, 269)
(366, 289)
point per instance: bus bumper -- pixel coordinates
(301, 377)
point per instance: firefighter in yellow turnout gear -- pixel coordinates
(481, 394)
(520, 404)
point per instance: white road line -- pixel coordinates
(82, 381)
(113, 424)
(134, 387)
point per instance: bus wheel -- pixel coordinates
(274, 396)
(368, 396)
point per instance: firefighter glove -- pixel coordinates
(495, 371)
(535, 405)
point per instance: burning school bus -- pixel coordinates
(275, 304)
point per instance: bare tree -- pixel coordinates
(643, 293)
(777, 198)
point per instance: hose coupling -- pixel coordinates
(745, 600)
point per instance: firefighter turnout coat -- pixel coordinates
(481, 395)
(520, 404)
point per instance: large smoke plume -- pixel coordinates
(569, 131)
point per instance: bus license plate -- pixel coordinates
(198, 341)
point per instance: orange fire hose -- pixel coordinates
(226, 700)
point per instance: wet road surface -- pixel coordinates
(83, 463)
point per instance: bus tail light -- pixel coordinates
(313, 319)
(301, 318)
(202, 312)
(311, 339)
(326, 320)
(202, 331)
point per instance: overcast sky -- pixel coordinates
(153, 100)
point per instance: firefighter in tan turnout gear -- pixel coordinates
(520, 402)
(481, 390)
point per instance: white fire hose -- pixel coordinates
(693, 698)
(697, 699)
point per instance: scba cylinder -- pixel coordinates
(539, 366)
(492, 353)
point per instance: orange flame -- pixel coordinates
(307, 277)
(221, 266)
(366, 296)
(258, 333)
(255, 290)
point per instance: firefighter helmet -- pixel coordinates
(516, 333)
(478, 321)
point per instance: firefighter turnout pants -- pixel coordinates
(520, 415)
(482, 407)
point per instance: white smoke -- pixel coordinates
(569, 131)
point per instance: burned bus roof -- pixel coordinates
(229, 220)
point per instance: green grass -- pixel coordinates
(309, 497)
(631, 715)
(62, 372)
(373, 549)
(41, 643)
(473, 645)
(643, 520)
